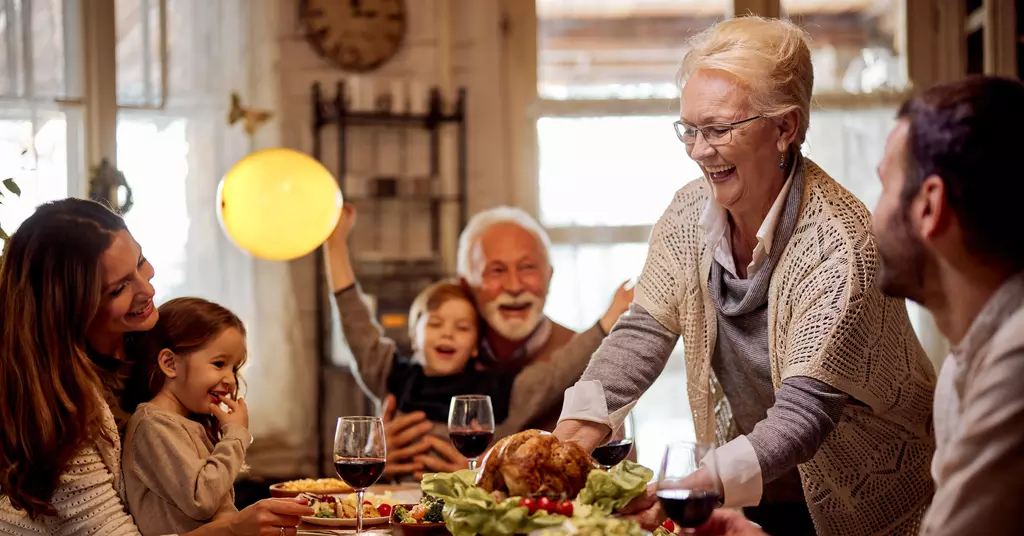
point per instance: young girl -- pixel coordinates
(182, 452)
(445, 328)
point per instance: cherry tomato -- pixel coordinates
(669, 525)
(529, 503)
(564, 508)
(546, 504)
(368, 502)
(384, 510)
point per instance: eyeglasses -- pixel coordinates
(715, 134)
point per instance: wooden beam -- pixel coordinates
(98, 29)
(764, 8)
(1000, 37)
(519, 72)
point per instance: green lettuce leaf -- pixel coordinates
(471, 510)
(608, 491)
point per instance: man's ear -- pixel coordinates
(166, 360)
(464, 283)
(929, 210)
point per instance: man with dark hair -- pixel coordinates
(949, 237)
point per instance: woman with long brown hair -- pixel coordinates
(73, 285)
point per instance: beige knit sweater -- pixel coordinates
(88, 498)
(827, 321)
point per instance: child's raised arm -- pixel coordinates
(373, 352)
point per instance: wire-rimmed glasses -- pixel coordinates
(715, 134)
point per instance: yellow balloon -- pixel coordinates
(278, 204)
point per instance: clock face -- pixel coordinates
(358, 35)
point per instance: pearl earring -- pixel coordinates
(782, 161)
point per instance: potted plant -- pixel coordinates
(11, 187)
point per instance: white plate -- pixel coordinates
(346, 522)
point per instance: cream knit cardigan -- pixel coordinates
(88, 499)
(827, 321)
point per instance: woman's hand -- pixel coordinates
(405, 437)
(645, 509)
(268, 517)
(729, 523)
(620, 304)
(588, 435)
(238, 412)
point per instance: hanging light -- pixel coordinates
(278, 204)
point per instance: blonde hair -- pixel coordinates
(769, 57)
(433, 297)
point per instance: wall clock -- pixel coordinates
(357, 35)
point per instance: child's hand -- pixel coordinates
(238, 412)
(345, 224)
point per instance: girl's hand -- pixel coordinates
(238, 413)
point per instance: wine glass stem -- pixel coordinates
(359, 511)
(472, 464)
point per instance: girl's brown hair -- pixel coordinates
(185, 325)
(50, 396)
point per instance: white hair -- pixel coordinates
(484, 220)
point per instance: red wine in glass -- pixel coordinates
(471, 425)
(688, 486)
(360, 473)
(611, 454)
(688, 508)
(471, 443)
(359, 456)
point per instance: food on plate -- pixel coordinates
(472, 510)
(535, 463)
(594, 526)
(331, 506)
(314, 485)
(429, 510)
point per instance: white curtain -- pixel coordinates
(174, 159)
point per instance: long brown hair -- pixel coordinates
(50, 290)
(185, 325)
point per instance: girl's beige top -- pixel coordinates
(827, 321)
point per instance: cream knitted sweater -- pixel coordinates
(88, 499)
(826, 321)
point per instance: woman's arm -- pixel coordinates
(374, 353)
(627, 363)
(165, 462)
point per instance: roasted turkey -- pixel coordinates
(535, 463)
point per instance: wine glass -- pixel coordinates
(610, 454)
(688, 485)
(471, 425)
(359, 456)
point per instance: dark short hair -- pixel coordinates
(969, 134)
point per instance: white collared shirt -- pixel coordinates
(715, 222)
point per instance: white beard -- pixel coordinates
(514, 329)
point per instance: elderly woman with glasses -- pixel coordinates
(811, 382)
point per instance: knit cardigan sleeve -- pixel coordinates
(86, 502)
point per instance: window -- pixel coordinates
(41, 123)
(606, 77)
